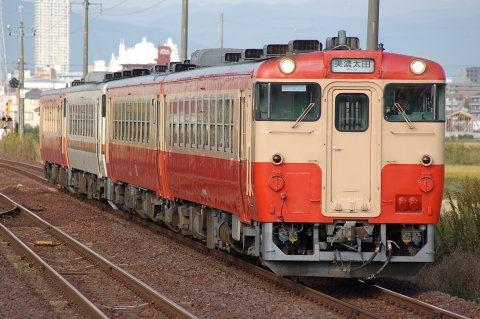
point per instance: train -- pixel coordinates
(301, 156)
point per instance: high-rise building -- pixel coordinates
(52, 38)
(470, 75)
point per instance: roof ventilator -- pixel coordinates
(140, 72)
(342, 42)
(303, 46)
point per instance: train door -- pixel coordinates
(160, 125)
(352, 185)
(100, 136)
(245, 149)
(63, 133)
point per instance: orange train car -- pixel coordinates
(323, 162)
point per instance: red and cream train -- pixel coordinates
(299, 155)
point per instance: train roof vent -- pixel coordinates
(212, 57)
(342, 42)
(126, 74)
(252, 54)
(179, 67)
(96, 76)
(231, 57)
(140, 72)
(273, 50)
(77, 82)
(302, 46)
(171, 66)
(159, 68)
(117, 75)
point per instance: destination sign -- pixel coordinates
(352, 65)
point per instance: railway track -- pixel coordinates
(91, 277)
(386, 301)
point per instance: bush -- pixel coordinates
(459, 227)
(457, 245)
(459, 153)
(27, 149)
(457, 275)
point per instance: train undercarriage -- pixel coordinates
(345, 248)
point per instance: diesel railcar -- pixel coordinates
(322, 162)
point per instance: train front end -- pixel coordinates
(346, 178)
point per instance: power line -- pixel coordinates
(130, 13)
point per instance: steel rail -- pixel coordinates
(21, 171)
(142, 288)
(415, 305)
(8, 203)
(343, 307)
(80, 300)
(334, 304)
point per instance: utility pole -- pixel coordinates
(3, 55)
(372, 24)
(85, 4)
(85, 40)
(221, 30)
(21, 76)
(184, 32)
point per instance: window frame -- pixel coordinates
(258, 111)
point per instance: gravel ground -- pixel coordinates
(206, 287)
(25, 294)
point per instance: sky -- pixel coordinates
(445, 31)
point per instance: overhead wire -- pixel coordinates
(130, 13)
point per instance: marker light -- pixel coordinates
(426, 160)
(287, 65)
(277, 159)
(418, 66)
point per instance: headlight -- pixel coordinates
(287, 65)
(418, 66)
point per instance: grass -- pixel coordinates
(26, 149)
(462, 160)
(457, 241)
(455, 175)
(457, 235)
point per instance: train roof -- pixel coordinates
(230, 61)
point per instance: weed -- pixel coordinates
(461, 153)
(20, 271)
(22, 149)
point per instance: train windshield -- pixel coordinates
(287, 101)
(414, 102)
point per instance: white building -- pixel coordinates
(174, 55)
(143, 53)
(52, 36)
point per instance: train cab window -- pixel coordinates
(286, 101)
(351, 112)
(414, 102)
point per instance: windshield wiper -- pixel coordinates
(304, 113)
(405, 117)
